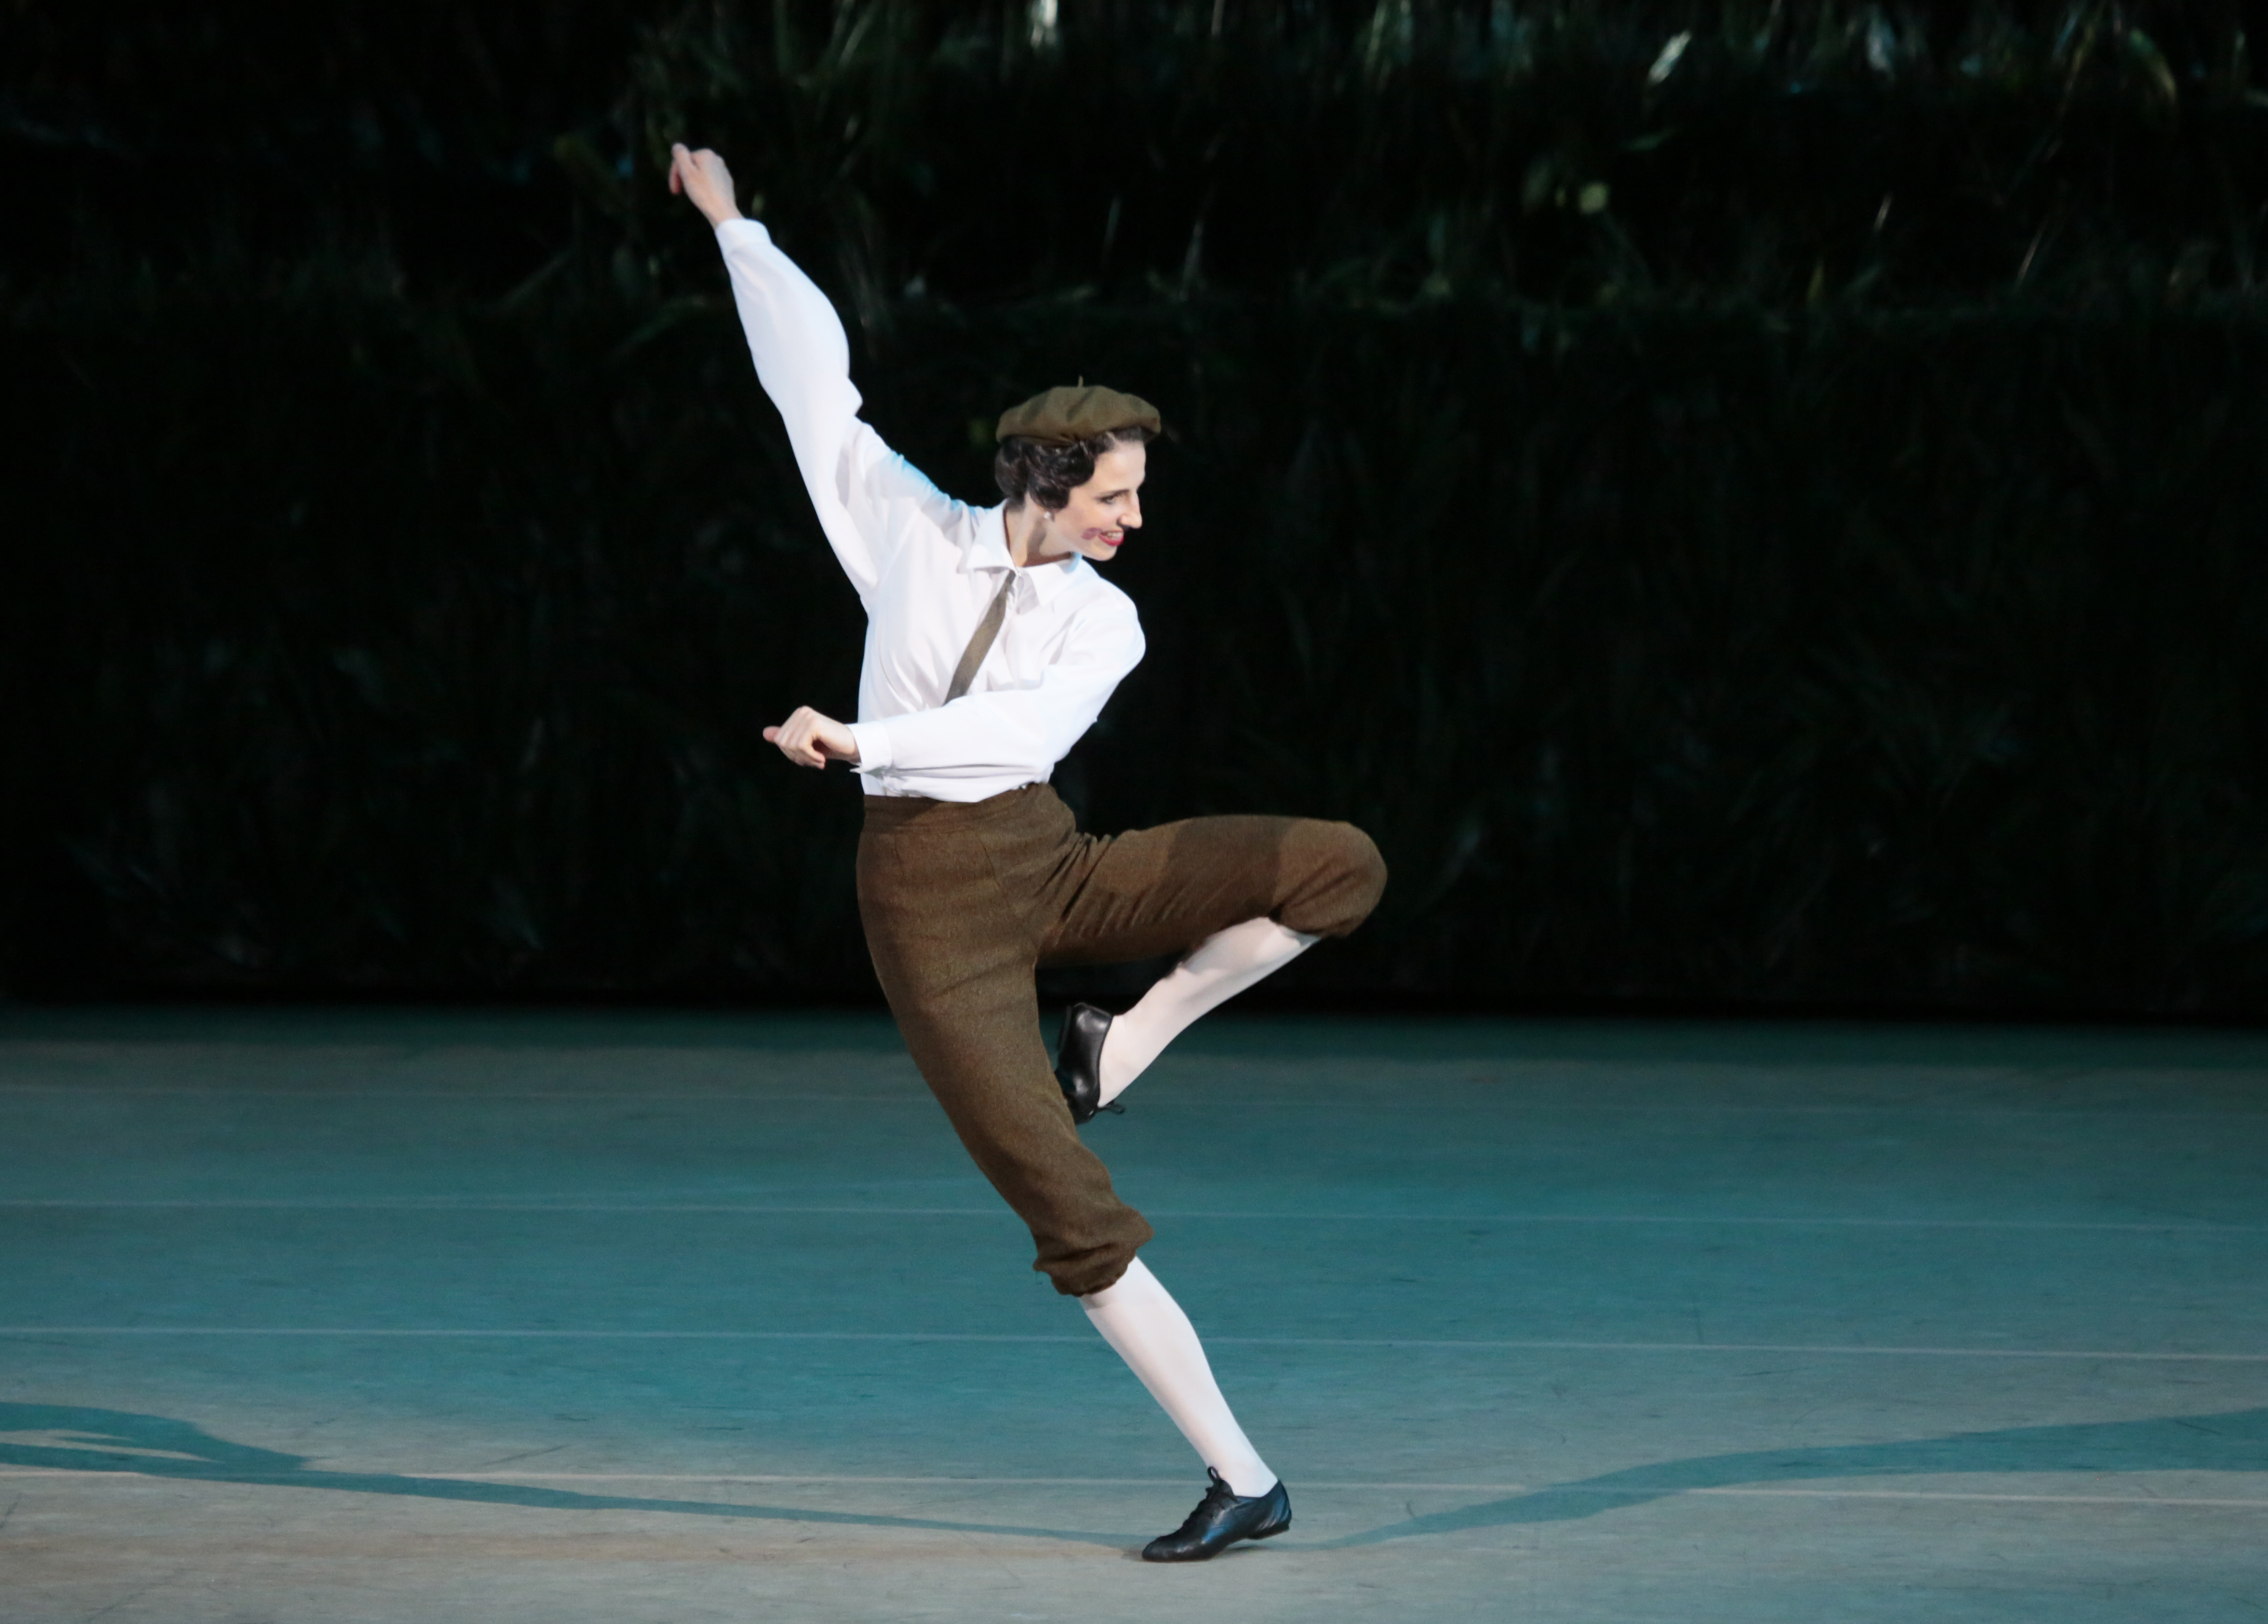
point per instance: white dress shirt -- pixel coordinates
(927, 567)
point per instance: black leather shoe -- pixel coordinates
(1222, 1519)
(1079, 1062)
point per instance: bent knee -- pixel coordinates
(1349, 877)
(1365, 870)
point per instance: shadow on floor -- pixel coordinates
(114, 1440)
(2235, 1441)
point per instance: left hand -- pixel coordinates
(810, 739)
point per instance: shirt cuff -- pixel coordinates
(873, 741)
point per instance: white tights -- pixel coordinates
(1222, 965)
(1135, 1315)
(1151, 1333)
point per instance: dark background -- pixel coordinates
(1776, 524)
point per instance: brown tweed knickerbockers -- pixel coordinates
(962, 902)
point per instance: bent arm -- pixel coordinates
(1008, 730)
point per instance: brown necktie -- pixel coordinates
(980, 641)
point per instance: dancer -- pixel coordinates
(991, 645)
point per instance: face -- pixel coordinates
(1094, 521)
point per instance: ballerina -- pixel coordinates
(992, 644)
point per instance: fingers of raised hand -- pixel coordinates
(701, 176)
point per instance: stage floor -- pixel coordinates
(343, 1319)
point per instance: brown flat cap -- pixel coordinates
(1077, 412)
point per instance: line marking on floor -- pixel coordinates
(2251, 1503)
(449, 1204)
(911, 1096)
(1505, 1345)
(1307, 1096)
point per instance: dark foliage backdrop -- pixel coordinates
(1747, 503)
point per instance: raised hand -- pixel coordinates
(702, 176)
(810, 739)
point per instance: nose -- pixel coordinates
(1133, 518)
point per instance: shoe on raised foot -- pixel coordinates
(1079, 1062)
(1222, 1518)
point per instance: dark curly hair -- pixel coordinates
(1049, 473)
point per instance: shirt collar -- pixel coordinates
(990, 551)
(1048, 580)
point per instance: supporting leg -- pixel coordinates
(1223, 966)
(954, 960)
(1151, 1333)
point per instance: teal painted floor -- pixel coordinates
(329, 1318)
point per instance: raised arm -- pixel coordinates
(803, 360)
